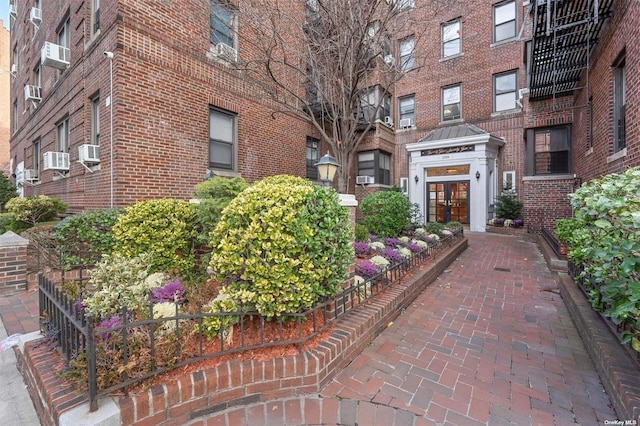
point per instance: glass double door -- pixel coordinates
(448, 202)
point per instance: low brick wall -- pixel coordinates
(619, 373)
(13, 264)
(236, 383)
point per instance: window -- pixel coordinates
(368, 102)
(313, 149)
(504, 21)
(619, 102)
(406, 4)
(95, 120)
(95, 16)
(504, 91)
(36, 157)
(406, 109)
(548, 151)
(222, 20)
(15, 116)
(451, 39)
(407, 53)
(222, 136)
(451, 105)
(509, 182)
(37, 76)
(64, 36)
(62, 136)
(377, 164)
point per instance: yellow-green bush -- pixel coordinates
(285, 241)
(165, 228)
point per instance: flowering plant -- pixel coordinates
(170, 292)
(360, 247)
(377, 245)
(366, 269)
(517, 223)
(404, 252)
(392, 255)
(380, 262)
(391, 242)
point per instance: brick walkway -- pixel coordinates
(20, 312)
(489, 343)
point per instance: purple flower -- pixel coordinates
(414, 247)
(79, 305)
(366, 269)
(499, 221)
(361, 247)
(170, 292)
(391, 242)
(517, 223)
(372, 237)
(109, 323)
(392, 255)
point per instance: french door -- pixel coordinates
(448, 202)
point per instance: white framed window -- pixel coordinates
(504, 21)
(505, 91)
(451, 40)
(407, 53)
(222, 139)
(404, 186)
(95, 16)
(406, 109)
(222, 23)
(62, 135)
(451, 103)
(509, 182)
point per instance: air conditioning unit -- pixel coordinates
(405, 122)
(13, 10)
(226, 52)
(89, 153)
(53, 55)
(364, 180)
(35, 16)
(522, 92)
(54, 160)
(30, 175)
(388, 120)
(32, 93)
(14, 70)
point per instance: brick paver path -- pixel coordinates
(489, 343)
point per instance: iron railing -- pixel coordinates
(553, 242)
(74, 332)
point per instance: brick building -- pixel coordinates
(510, 93)
(5, 77)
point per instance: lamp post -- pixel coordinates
(327, 167)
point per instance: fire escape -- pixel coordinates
(563, 34)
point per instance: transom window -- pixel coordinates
(407, 53)
(548, 151)
(222, 20)
(451, 103)
(377, 164)
(504, 21)
(504, 91)
(451, 45)
(222, 139)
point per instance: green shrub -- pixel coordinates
(454, 225)
(85, 237)
(609, 243)
(508, 207)
(7, 191)
(35, 209)
(165, 228)
(565, 229)
(285, 242)
(434, 228)
(362, 232)
(7, 222)
(214, 195)
(386, 213)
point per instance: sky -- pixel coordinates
(4, 12)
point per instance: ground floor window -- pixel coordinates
(548, 151)
(377, 164)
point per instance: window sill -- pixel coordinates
(447, 58)
(451, 122)
(618, 155)
(503, 42)
(225, 173)
(506, 112)
(589, 152)
(548, 177)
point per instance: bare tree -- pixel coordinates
(332, 63)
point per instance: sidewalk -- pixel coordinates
(490, 342)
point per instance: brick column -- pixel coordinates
(13, 263)
(349, 200)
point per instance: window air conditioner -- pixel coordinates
(30, 175)
(32, 93)
(405, 122)
(388, 120)
(14, 70)
(35, 16)
(226, 52)
(89, 153)
(364, 180)
(13, 10)
(54, 160)
(53, 55)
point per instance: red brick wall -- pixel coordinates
(13, 269)
(545, 201)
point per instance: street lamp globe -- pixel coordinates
(327, 167)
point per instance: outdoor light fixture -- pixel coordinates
(327, 167)
(478, 175)
(416, 178)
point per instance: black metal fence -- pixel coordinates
(553, 242)
(132, 350)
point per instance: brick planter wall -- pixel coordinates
(13, 263)
(238, 383)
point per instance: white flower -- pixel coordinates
(434, 237)
(357, 279)
(165, 310)
(404, 239)
(379, 261)
(420, 231)
(446, 232)
(508, 222)
(376, 245)
(404, 252)
(420, 243)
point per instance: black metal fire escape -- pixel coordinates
(563, 34)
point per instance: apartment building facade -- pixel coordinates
(527, 97)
